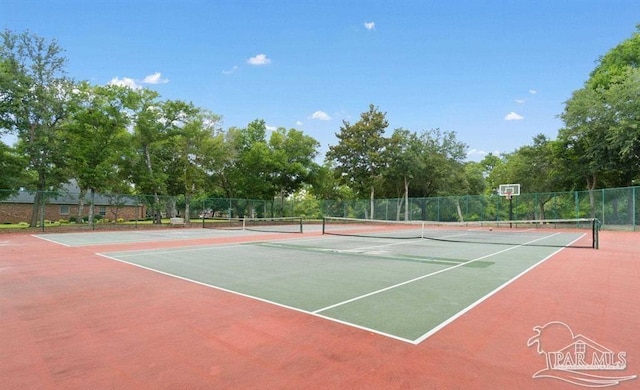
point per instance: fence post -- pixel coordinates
(633, 203)
(43, 207)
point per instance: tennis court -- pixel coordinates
(137, 236)
(359, 306)
(403, 290)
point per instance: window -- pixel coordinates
(103, 211)
(64, 209)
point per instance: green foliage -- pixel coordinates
(113, 139)
(96, 136)
(38, 100)
(623, 98)
(614, 64)
(601, 134)
(359, 154)
(292, 155)
(12, 166)
(306, 205)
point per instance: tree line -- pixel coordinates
(117, 139)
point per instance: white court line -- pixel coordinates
(392, 336)
(426, 276)
(52, 241)
(316, 313)
(487, 296)
(138, 252)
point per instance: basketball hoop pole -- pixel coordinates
(508, 191)
(510, 210)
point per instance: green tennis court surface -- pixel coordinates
(404, 289)
(131, 236)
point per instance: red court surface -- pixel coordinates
(70, 319)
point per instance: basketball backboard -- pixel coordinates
(509, 190)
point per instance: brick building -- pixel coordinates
(67, 205)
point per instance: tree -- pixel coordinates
(35, 103)
(442, 167)
(623, 98)
(360, 153)
(13, 85)
(406, 162)
(325, 185)
(12, 166)
(256, 168)
(97, 140)
(250, 170)
(475, 179)
(147, 166)
(601, 119)
(197, 144)
(584, 136)
(538, 168)
(614, 64)
(292, 155)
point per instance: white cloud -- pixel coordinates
(533, 91)
(512, 116)
(260, 59)
(271, 128)
(478, 155)
(520, 101)
(320, 115)
(370, 26)
(124, 82)
(476, 152)
(155, 78)
(299, 123)
(232, 70)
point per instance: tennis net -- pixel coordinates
(273, 225)
(577, 233)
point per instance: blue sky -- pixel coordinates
(495, 72)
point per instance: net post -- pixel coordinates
(595, 232)
(244, 223)
(422, 230)
(300, 224)
(324, 221)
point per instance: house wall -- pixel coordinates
(21, 212)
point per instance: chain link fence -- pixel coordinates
(616, 208)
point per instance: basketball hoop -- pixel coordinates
(509, 190)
